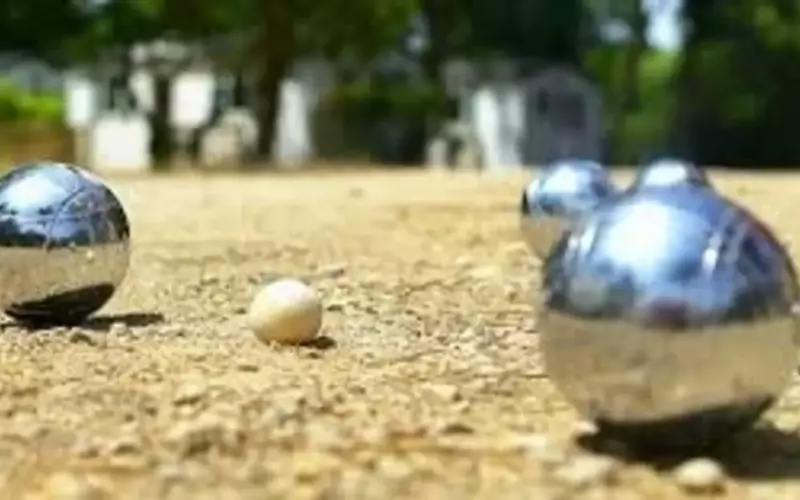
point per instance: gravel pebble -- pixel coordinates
(118, 329)
(444, 392)
(68, 486)
(190, 393)
(124, 444)
(588, 470)
(700, 476)
(543, 449)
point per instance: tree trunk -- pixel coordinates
(698, 16)
(161, 143)
(438, 15)
(441, 17)
(275, 46)
(239, 98)
(633, 59)
(120, 96)
(627, 98)
(269, 86)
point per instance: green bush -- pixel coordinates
(17, 105)
(645, 130)
(384, 121)
(378, 101)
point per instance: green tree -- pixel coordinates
(24, 28)
(264, 36)
(538, 31)
(543, 30)
(737, 83)
(625, 99)
(116, 26)
(286, 29)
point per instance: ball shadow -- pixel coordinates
(321, 343)
(763, 453)
(133, 320)
(100, 323)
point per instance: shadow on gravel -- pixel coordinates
(103, 322)
(321, 343)
(99, 323)
(763, 453)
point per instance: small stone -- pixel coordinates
(375, 436)
(85, 448)
(470, 333)
(66, 486)
(336, 270)
(700, 476)
(190, 438)
(81, 337)
(445, 392)
(395, 468)
(118, 329)
(542, 449)
(463, 261)
(321, 436)
(455, 428)
(312, 464)
(585, 428)
(123, 445)
(205, 432)
(172, 331)
(253, 473)
(479, 385)
(589, 470)
(247, 366)
(484, 273)
(335, 306)
(130, 462)
(514, 249)
(171, 473)
(190, 393)
(28, 431)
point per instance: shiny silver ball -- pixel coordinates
(564, 192)
(670, 172)
(667, 317)
(64, 243)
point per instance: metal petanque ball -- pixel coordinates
(564, 192)
(670, 172)
(64, 243)
(668, 317)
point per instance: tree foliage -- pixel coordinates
(527, 29)
(738, 82)
(41, 28)
(727, 97)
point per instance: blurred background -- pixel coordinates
(135, 85)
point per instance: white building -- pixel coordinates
(516, 119)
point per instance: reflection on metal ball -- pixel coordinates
(667, 317)
(64, 243)
(670, 172)
(564, 192)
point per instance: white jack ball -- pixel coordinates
(286, 311)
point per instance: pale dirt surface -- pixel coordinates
(426, 384)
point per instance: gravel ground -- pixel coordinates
(427, 382)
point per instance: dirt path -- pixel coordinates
(427, 384)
